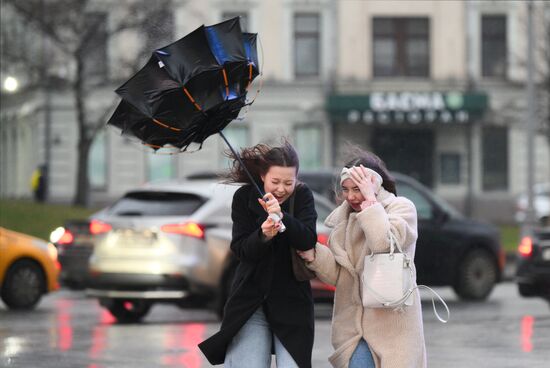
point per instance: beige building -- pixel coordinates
(435, 87)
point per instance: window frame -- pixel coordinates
(315, 35)
(450, 155)
(401, 38)
(488, 148)
(487, 64)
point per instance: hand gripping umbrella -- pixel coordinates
(190, 89)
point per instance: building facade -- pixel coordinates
(435, 88)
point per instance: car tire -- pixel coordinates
(477, 275)
(24, 285)
(128, 311)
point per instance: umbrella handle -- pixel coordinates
(273, 216)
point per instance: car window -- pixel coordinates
(423, 206)
(156, 204)
(323, 210)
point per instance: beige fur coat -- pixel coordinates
(396, 338)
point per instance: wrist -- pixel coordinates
(367, 203)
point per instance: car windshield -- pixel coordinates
(156, 204)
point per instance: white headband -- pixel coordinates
(345, 174)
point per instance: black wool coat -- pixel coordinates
(264, 276)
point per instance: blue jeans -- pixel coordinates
(361, 357)
(251, 346)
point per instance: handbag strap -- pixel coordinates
(433, 303)
(393, 244)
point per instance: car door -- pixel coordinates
(430, 246)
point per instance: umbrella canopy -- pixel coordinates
(190, 89)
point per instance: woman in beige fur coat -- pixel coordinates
(361, 224)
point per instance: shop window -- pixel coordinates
(308, 144)
(401, 47)
(493, 46)
(97, 162)
(159, 29)
(306, 44)
(449, 168)
(237, 135)
(95, 49)
(160, 166)
(495, 158)
(243, 18)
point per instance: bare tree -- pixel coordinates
(77, 33)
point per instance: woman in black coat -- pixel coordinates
(267, 309)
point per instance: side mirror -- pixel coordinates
(440, 216)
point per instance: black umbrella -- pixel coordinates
(190, 89)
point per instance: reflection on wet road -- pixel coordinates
(69, 330)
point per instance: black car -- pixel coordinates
(533, 265)
(451, 250)
(75, 243)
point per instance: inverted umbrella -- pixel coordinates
(190, 89)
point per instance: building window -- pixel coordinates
(495, 158)
(95, 54)
(493, 46)
(401, 47)
(449, 166)
(159, 29)
(308, 145)
(243, 18)
(97, 162)
(160, 166)
(237, 135)
(306, 45)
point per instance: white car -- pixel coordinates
(169, 242)
(541, 204)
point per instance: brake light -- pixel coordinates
(61, 236)
(322, 238)
(66, 238)
(187, 228)
(525, 247)
(99, 227)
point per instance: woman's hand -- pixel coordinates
(271, 204)
(366, 182)
(307, 255)
(270, 228)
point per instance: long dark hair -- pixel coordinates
(259, 159)
(372, 161)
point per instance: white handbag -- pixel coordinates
(388, 280)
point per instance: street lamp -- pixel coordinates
(10, 84)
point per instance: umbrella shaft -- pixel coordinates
(238, 157)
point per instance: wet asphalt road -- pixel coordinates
(69, 330)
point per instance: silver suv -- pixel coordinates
(169, 242)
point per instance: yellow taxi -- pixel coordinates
(28, 269)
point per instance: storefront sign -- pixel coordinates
(408, 107)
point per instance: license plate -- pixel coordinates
(546, 254)
(133, 239)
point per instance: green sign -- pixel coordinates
(408, 107)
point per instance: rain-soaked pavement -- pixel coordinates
(69, 330)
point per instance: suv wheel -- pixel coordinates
(477, 275)
(128, 311)
(24, 285)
